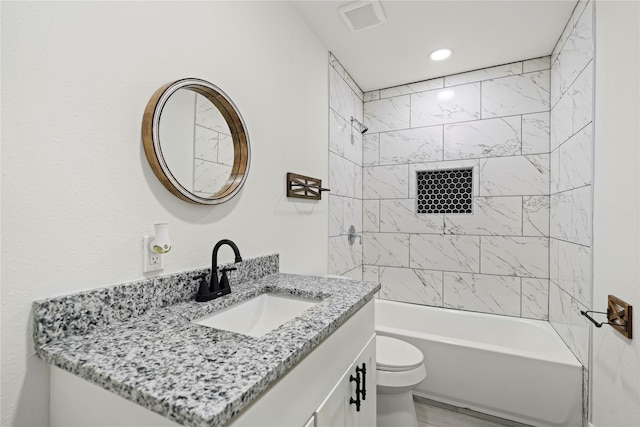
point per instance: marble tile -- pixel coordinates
(206, 144)
(411, 145)
(336, 215)
(536, 64)
(519, 175)
(484, 74)
(400, 216)
(371, 215)
(354, 274)
(573, 328)
(561, 120)
(484, 293)
(574, 271)
(353, 146)
(583, 98)
(446, 165)
(372, 95)
(449, 105)
(338, 133)
(521, 94)
(535, 133)
(385, 182)
(387, 114)
(445, 252)
(577, 51)
(554, 259)
(560, 216)
(579, 333)
(515, 256)
(579, 10)
(555, 88)
(358, 111)
(581, 216)
(371, 149)
(357, 182)
(343, 257)
(554, 171)
(342, 174)
(576, 160)
(491, 216)
(411, 285)
(535, 216)
(340, 95)
(560, 311)
(483, 138)
(352, 215)
(535, 298)
(370, 273)
(335, 64)
(412, 88)
(209, 177)
(386, 249)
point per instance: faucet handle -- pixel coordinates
(202, 277)
(203, 289)
(224, 270)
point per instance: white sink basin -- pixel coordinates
(259, 315)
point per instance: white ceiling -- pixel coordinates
(482, 33)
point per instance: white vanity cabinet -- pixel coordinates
(352, 402)
(316, 392)
(319, 384)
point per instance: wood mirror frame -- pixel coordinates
(153, 149)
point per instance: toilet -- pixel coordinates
(399, 369)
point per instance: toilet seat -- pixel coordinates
(394, 355)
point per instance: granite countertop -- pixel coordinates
(196, 375)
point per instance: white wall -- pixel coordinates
(615, 369)
(77, 192)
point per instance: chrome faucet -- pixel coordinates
(217, 288)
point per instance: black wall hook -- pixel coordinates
(619, 316)
(598, 324)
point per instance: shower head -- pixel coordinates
(361, 128)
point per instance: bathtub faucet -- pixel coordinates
(217, 288)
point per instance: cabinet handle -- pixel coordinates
(355, 379)
(363, 370)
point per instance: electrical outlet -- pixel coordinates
(152, 261)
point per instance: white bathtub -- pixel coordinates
(512, 368)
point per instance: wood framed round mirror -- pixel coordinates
(196, 141)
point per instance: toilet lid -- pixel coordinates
(396, 355)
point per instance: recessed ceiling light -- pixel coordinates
(440, 54)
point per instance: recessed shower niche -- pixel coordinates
(444, 191)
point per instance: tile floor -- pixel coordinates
(435, 414)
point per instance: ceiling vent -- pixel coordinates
(360, 15)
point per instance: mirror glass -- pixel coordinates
(197, 142)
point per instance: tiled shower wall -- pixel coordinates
(496, 121)
(526, 129)
(345, 172)
(571, 178)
